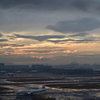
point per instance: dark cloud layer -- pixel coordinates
(39, 38)
(79, 34)
(49, 4)
(81, 25)
(3, 40)
(13, 45)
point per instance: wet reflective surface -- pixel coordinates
(59, 94)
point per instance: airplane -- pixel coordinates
(30, 91)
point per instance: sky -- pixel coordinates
(49, 31)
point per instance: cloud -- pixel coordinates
(13, 45)
(79, 34)
(81, 25)
(1, 35)
(49, 5)
(16, 45)
(82, 4)
(39, 38)
(2, 45)
(29, 15)
(24, 59)
(45, 50)
(73, 40)
(3, 40)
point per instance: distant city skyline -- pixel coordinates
(50, 31)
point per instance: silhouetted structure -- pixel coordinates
(41, 68)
